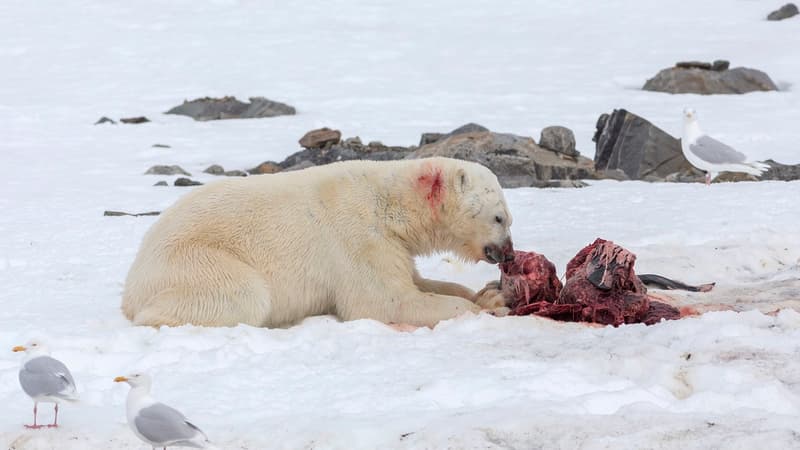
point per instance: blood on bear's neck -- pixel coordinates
(430, 183)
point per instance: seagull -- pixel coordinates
(710, 155)
(44, 379)
(156, 423)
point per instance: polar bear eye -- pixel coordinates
(498, 219)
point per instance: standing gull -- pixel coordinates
(44, 379)
(156, 423)
(710, 155)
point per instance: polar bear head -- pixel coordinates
(473, 210)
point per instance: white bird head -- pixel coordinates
(689, 115)
(33, 347)
(135, 380)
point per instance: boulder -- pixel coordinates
(784, 12)
(430, 138)
(709, 78)
(558, 139)
(208, 108)
(265, 168)
(134, 120)
(517, 161)
(167, 170)
(214, 169)
(320, 138)
(627, 142)
(348, 150)
(186, 182)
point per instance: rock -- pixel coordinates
(693, 80)
(376, 145)
(265, 168)
(214, 169)
(612, 174)
(167, 170)
(186, 182)
(782, 172)
(468, 128)
(720, 65)
(339, 152)
(693, 65)
(430, 138)
(300, 166)
(105, 119)
(161, 183)
(784, 12)
(559, 184)
(135, 120)
(235, 173)
(320, 138)
(517, 161)
(353, 143)
(121, 213)
(161, 146)
(558, 139)
(635, 146)
(208, 108)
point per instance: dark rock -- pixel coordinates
(120, 213)
(468, 128)
(430, 138)
(305, 164)
(135, 120)
(215, 169)
(338, 152)
(558, 139)
(740, 80)
(167, 170)
(161, 183)
(186, 182)
(320, 138)
(517, 161)
(559, 184)
(235, 173)
(782, 172)
(720, 65)
(265, 168)
(376, 145)
(105, 119)
(693, 65)
(784, 12)
(230, 108)
(353, 143)
(161, 146)
(630, 143)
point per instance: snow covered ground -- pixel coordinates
(388, 72)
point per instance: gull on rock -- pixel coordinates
(156, 423)
(45, 379)
(710, 155)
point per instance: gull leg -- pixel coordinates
(55, 421)
(708, 178)
(34, 426)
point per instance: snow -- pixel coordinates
(388, 72)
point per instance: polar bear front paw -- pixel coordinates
(490, 297)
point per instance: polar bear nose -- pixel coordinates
(496, 254)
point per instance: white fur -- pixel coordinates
(338, 239)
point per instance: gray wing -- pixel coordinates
(711, 150)
(162, 424)
(46, 376)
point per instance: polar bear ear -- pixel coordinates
(462, 181)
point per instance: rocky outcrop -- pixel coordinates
(558, 139)
(517, 161)
(784, 12)
(629, 143)
(709, 78)
(208, 108)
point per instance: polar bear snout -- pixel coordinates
(499, 253)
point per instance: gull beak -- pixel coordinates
(120, 379)
(18, 348)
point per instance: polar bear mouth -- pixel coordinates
(495, 254)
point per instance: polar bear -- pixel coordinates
(337, 239)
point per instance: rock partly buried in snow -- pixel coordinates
(167, 170)
(782, 172)
(320, 138)
(784, 12)
(161, 183)
(266, 167)
(208, 108)
(135, 120)
(517, 161)
(186, 182)
(558, 139)
(214, 169)
(346, 150)
(602, 287)
(709, 78)
(642, 151)
(105, 119)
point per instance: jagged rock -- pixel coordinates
(694, 80)
(235, 173)
(558, 139)
(635, 146)
(135, 120)
(430, 138)
(167, 170)
(784, 12)
(265, 168)
(186, 182)
(161, 183)
(320, 138)
(517, 161)
(215, 169)
(105, 119)
(783, 172)
(208, 108)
